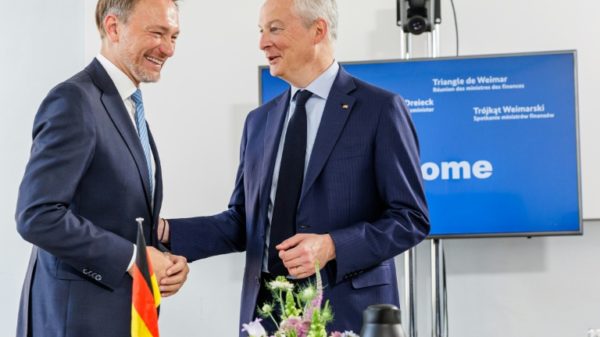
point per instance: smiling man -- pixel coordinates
(329, 172)
(93, 170)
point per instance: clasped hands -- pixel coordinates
(171, 270)
(301, 252)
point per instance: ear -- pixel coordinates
(111, 28)
(321, 30)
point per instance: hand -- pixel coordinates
(160, 263)
(176, 275)
(301, 252)
(162, 230)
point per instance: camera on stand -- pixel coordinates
(415, 16)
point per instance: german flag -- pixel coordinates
(145, 299)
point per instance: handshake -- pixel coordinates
(171, 270)
(298, 254)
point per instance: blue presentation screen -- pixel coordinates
(498, 138)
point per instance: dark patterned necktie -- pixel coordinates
(289, 184)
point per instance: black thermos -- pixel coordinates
(382, 320)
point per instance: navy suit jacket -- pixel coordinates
(84, 185)
(362, 186)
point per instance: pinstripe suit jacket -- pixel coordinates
(362, 186)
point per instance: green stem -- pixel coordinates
(281, 303)
(274, 321)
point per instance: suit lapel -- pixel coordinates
(158, 186)
(273, 129)
(337, 109)
(118, 114)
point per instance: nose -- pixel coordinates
(167, 47)
(264, 41)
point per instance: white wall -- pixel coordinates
(498, 287)
(518, 287)
(42, 44)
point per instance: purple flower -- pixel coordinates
(316, 301)
(296, 324)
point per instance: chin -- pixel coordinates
(275, 71)
(148, 77)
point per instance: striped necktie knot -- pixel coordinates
(137, 97)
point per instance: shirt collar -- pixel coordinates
(321, 86)
(124, 85)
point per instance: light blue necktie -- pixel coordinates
(142, 129)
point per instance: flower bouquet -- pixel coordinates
(301, 311)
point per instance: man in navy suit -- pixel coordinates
(360, 201)
(93, 170)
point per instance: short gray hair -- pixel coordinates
(311, 10)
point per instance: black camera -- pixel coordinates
(413, 16)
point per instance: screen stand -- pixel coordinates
(438, 292)
(439, 308)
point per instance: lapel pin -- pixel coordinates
(345, 106)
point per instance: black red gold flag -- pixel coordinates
(145, 299)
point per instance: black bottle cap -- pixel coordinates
(382, 314)
(382, 320)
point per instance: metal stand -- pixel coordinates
(406, 9)
(439, 322)
(410, 274)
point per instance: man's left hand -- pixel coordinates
(301, 252)
(176, 275)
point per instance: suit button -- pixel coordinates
(304, 226)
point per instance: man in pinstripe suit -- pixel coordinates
(361, 199)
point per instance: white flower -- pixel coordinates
(349, 334)
(280, 284)
(255, 329)
(308, 293)
(267, 309)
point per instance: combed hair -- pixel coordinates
(119, 8)
(311, 10)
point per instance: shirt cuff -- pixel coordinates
(132, 258)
